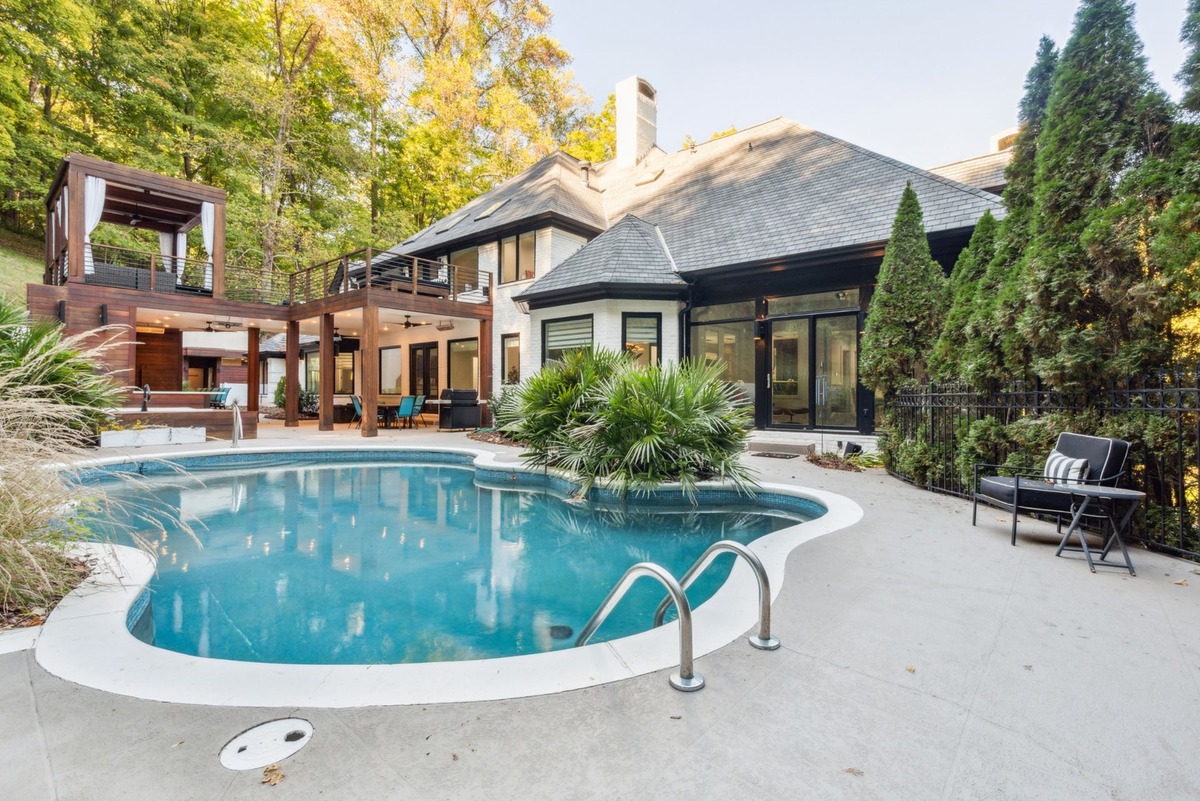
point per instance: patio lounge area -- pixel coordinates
(921, 658)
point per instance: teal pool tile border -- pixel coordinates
(520, 476)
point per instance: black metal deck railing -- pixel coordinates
(933, 433)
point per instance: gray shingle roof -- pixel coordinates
(982, 172)
(773, 191)
(778, 190)
(630, 253)
(553, 185)
(278, 343)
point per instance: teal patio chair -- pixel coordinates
(405, 410)
(418, 405)
(357, 419)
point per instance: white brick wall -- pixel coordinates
(553, 247)
(606, 325)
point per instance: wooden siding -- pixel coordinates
(159, 361)
(218, 423)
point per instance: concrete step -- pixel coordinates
(805, 442)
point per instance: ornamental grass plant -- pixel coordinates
(52, 397)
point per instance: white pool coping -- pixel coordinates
(85, 639)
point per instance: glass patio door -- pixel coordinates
(790, 385)
(836, 369)
(423, 369)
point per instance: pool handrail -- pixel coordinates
(686, 680)
(763, 641)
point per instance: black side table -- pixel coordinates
(1119, 506)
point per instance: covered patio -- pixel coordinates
(387, 324)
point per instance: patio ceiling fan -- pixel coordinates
(408, 323)
(228, 326)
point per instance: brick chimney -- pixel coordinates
(637, 120)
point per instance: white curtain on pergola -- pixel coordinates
(208, 220)
(166, 249)
(93, 207)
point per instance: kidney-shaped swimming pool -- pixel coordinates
(374, 562)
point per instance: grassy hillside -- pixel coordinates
(21, 262)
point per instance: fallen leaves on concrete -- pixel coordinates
(1182, 582)
(853, 771)
(272, 774)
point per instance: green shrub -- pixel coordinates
(505, 407)
(610, 423)
(985, 442)
(558, 398)
(310, 401)
(679, 423)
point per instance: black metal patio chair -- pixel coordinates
(1076, 458)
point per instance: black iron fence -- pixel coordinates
(933, 434)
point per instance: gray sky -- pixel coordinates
(923, 81)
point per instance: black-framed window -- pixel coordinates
(565, 334)
(510, 358)
(518, 257)
(343, 372)
(391, 368)
(462, 363)
(641, 335)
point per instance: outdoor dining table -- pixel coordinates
(1120, 504)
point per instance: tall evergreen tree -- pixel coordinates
(1176, 244)
(1094, 311)
(908, 304)
(991, 338)
(946, 360)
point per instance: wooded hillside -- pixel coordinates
(332, 125)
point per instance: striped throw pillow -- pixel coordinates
(1065, 470)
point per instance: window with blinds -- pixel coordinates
(640, 334)
(560, 336)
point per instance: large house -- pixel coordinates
(757, 250)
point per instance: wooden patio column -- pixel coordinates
(325, 402)
(291, 373)
(253, 370)
(76, 183)
(485, 365)
(370, 370)
(218, 256)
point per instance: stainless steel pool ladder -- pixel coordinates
(763, 641)
(687, 680)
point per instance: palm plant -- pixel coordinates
(598, 416)
(680, 423)
(558, 398)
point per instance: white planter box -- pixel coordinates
(136, 438)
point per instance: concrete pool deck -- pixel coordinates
(921, 659)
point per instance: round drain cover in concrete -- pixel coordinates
(266, 743)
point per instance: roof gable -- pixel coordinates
(631, 254)
(551, 186)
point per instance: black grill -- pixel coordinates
(459, 409)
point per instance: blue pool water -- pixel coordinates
(386, 563)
